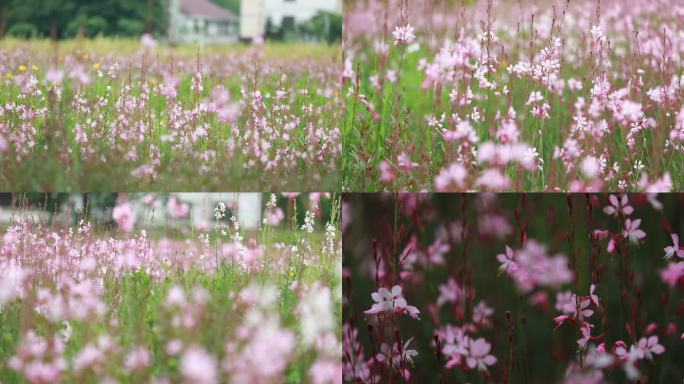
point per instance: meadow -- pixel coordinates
(124, 301)
(489, 95)
(513, 288)
(107, 114)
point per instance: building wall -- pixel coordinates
(202, 208)
(252, 18)
(301, 10)
(254, 13)
(182, 28)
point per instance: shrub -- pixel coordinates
(23, 30)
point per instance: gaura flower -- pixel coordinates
(391, 301)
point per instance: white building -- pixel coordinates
(254, 14)
(201, 22)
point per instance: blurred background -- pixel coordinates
(629, 287)
(175, 21)
(163, 211)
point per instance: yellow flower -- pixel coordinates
(22, 68)
(8, 76)
(96, 65)
(34, 67)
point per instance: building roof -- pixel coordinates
(207, 9)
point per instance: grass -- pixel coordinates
(389, 117)
(85, 130)
(224, 295)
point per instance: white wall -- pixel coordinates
(202, 208)
(254, 13)
(301, 10)
(252, 16)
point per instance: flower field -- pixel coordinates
(117, 115)
(490, 95)
(513, 288)
(121, 300)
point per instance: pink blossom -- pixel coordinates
(478, 355)
(672, 273)
(450, 292)
(137, 359)
(453, 176)
(632, 231)
(395, 357)
(392, 302)
(507, 260)
(326, 371)
(590, 167)
(177, 208)
(404, 162)
(493, 180)
(124, 216)
(387, 174)
(403, 35)
(618, 207)
(650, 346)
(673, 249)
(481, 313)
(198, 366)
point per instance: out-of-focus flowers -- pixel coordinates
(198, 366)
(124, 216)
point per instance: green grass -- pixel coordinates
(58, 162)
(398, 123)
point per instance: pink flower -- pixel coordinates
(671, 250)
(632, 231)
(437, 250)
(618, 207)
(197, 83)
(481, 313)
(403, 35)
(450, 292)
(493, 180)
(177, 208)
(387, 174)
(147, 40)
(404, 162)
(594, 298)
(650, 346)
(590, 167)
(507, 260)
(137, 359)
(585, 330)
(452, 176)
(394, 356)
(391, 301)
(198, 366)
(672, 273)
(326, 371)
(478, 355)
(124, 216)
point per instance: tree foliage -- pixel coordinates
(69, 18)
